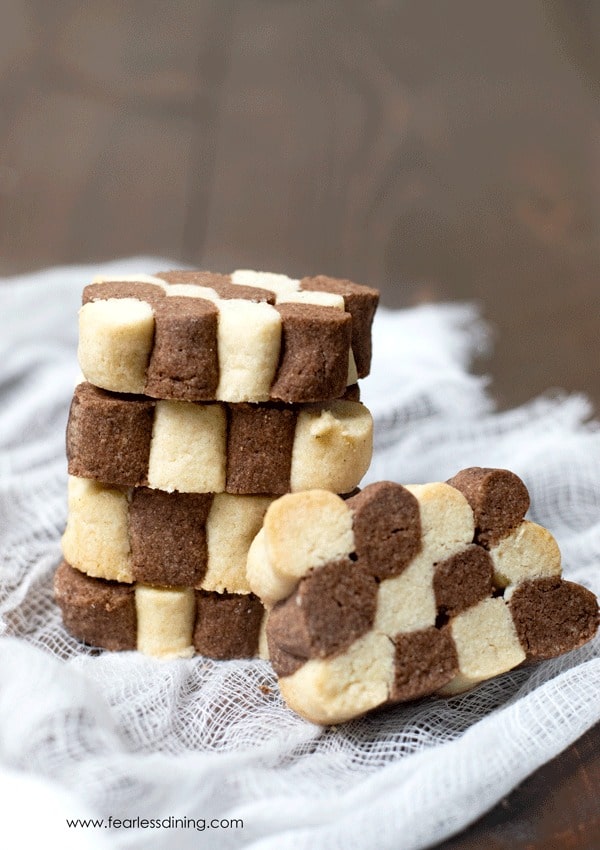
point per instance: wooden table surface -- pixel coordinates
(436, 150)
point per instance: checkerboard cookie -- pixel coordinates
(196, 540)
(165, 622)
(245, 337)
(241, 448)
(401, 592)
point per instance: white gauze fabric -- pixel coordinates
(95, 734)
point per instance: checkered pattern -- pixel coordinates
(212, 448)
(166, 622)
(197, 540)
(400, 592)
(250, 336)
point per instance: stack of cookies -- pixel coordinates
(204, 398)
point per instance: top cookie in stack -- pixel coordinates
(245, 337)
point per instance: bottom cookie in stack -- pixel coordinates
(402, 592)
(165, 622)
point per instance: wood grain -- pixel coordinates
(435, 150)
(556, 807)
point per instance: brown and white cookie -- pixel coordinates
(165, 622)
(241, 449)
(245, 337)
(401, 592)
(196, 540)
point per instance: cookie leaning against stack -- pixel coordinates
(206, 397)
(401, 592)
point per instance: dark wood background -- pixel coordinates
(435, 149)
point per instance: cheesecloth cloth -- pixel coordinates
(91, 734)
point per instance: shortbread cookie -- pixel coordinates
(245, 337)
(401, 592)
(242, 448)
(172, 539)
(165, 622)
